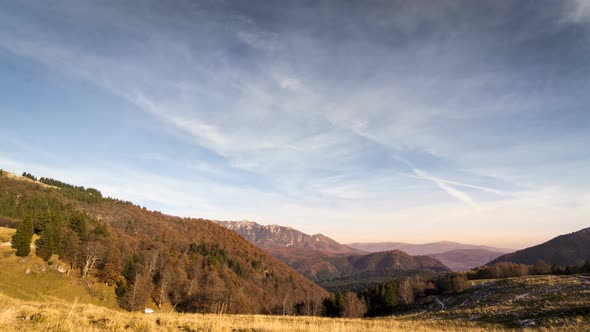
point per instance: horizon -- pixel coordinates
(374, 122)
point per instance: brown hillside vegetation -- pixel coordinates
(193, 265)
(567, 249)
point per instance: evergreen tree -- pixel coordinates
(79, 225)
(30, 176)
(21, 240)
(50, 241)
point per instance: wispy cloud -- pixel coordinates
(445, 185)
(577, 11)
(205, 133)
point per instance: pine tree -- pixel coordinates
(51, 238)
(79, 225)
(21, 240)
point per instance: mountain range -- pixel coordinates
(319, 257)
(330, 264)
(275, 236)
(423, 249)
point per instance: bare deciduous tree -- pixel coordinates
(92, 254)
(405, 291)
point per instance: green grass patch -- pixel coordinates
(31, 279)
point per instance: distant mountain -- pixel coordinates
(465, 259)
(394, 260)
(358, 272)
(568, 249)
(422, 249)
(275, 236)
(318, 266)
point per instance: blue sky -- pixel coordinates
(409, 121)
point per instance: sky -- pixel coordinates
(367, 121)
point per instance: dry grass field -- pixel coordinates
(17, 315)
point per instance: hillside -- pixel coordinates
(552, 302)
(193, 265)
(275, 236)
(30, 278)
(465, 259)
(568, 249)
(422, 249)
(394, 260)
(313, 264)
(359, 271)
(319, 267)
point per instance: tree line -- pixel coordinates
(393, 296)
(510, 270)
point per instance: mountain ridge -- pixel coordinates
(276, 236)
(565, 249)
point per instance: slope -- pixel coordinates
(568, 249)
(30, 278)
(193, 265)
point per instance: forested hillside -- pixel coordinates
(359, 271)
(194, 265)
